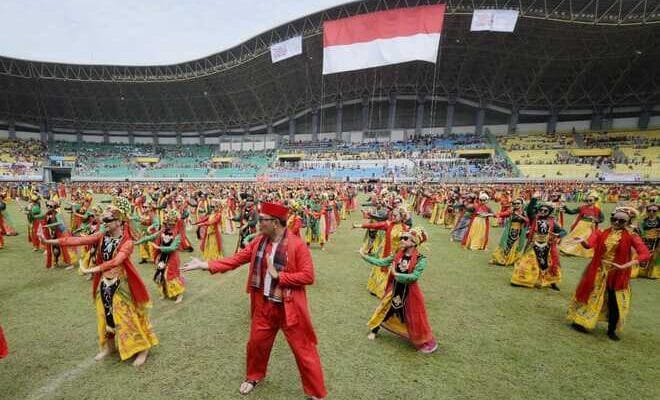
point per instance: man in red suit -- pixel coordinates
(280, 268)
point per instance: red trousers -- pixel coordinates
(267, 319)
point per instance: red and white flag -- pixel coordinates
(382, 38)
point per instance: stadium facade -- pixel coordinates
(569, 64)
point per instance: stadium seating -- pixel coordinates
(569, 155)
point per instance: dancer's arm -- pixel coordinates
(643, 253)
(379, 262)
(78, 240)
(381, 226)
(172, 247)
(147, 238)
(414, 276)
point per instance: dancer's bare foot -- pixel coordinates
(105, 351)
(371, 336)
(68, 267)
(246, 387)
(179, 299)
(141, 358)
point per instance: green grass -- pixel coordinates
(496, 341)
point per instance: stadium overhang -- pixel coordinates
(565, 55)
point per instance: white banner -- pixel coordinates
(494, 20)
(288, 48)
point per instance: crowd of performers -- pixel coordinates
(277, 224)
(533, 239)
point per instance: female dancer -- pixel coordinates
(402, 310)
(120, 295)
(604, 292)
(166, 247)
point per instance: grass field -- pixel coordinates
(496, 341)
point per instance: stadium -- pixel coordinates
(561, 111)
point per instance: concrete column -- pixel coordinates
(552, 122)
(419, 115)
(223, 139)
(106, 137)
(340, 119)
(365, 116)
(79, 137)
(644, 117)
(513, 120)
(178, 138)
(131, 137)
(155, 139)
(244, 138)
(451, 109)
(43, 131)
(269, 134)
(479, 124)
(315, 124)
(292, 128)
(202, 138)
(12, 129)
(391, 116)
(596, 120)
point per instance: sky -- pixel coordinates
(138, 32)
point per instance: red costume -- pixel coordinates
(617, 279)
(291, 315)
(3, 345)
(139, 291)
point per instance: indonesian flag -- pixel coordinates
(382, 38)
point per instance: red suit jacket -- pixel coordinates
(298, 273)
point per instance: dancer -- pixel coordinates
(393, 228)
(539, 265)
(604, 291)
(649, 230)
(514, 235)
(211, 244)
(167, 243)
(402, 309)
(589, 216)
(478, 230)
(120, 296)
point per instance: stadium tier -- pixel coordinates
(633, 156)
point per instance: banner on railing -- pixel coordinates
(286, 49)
(494, 20)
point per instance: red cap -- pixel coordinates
(275, 210)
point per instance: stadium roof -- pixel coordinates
(565, 54)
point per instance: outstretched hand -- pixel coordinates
(195, 263)
(43, 240)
